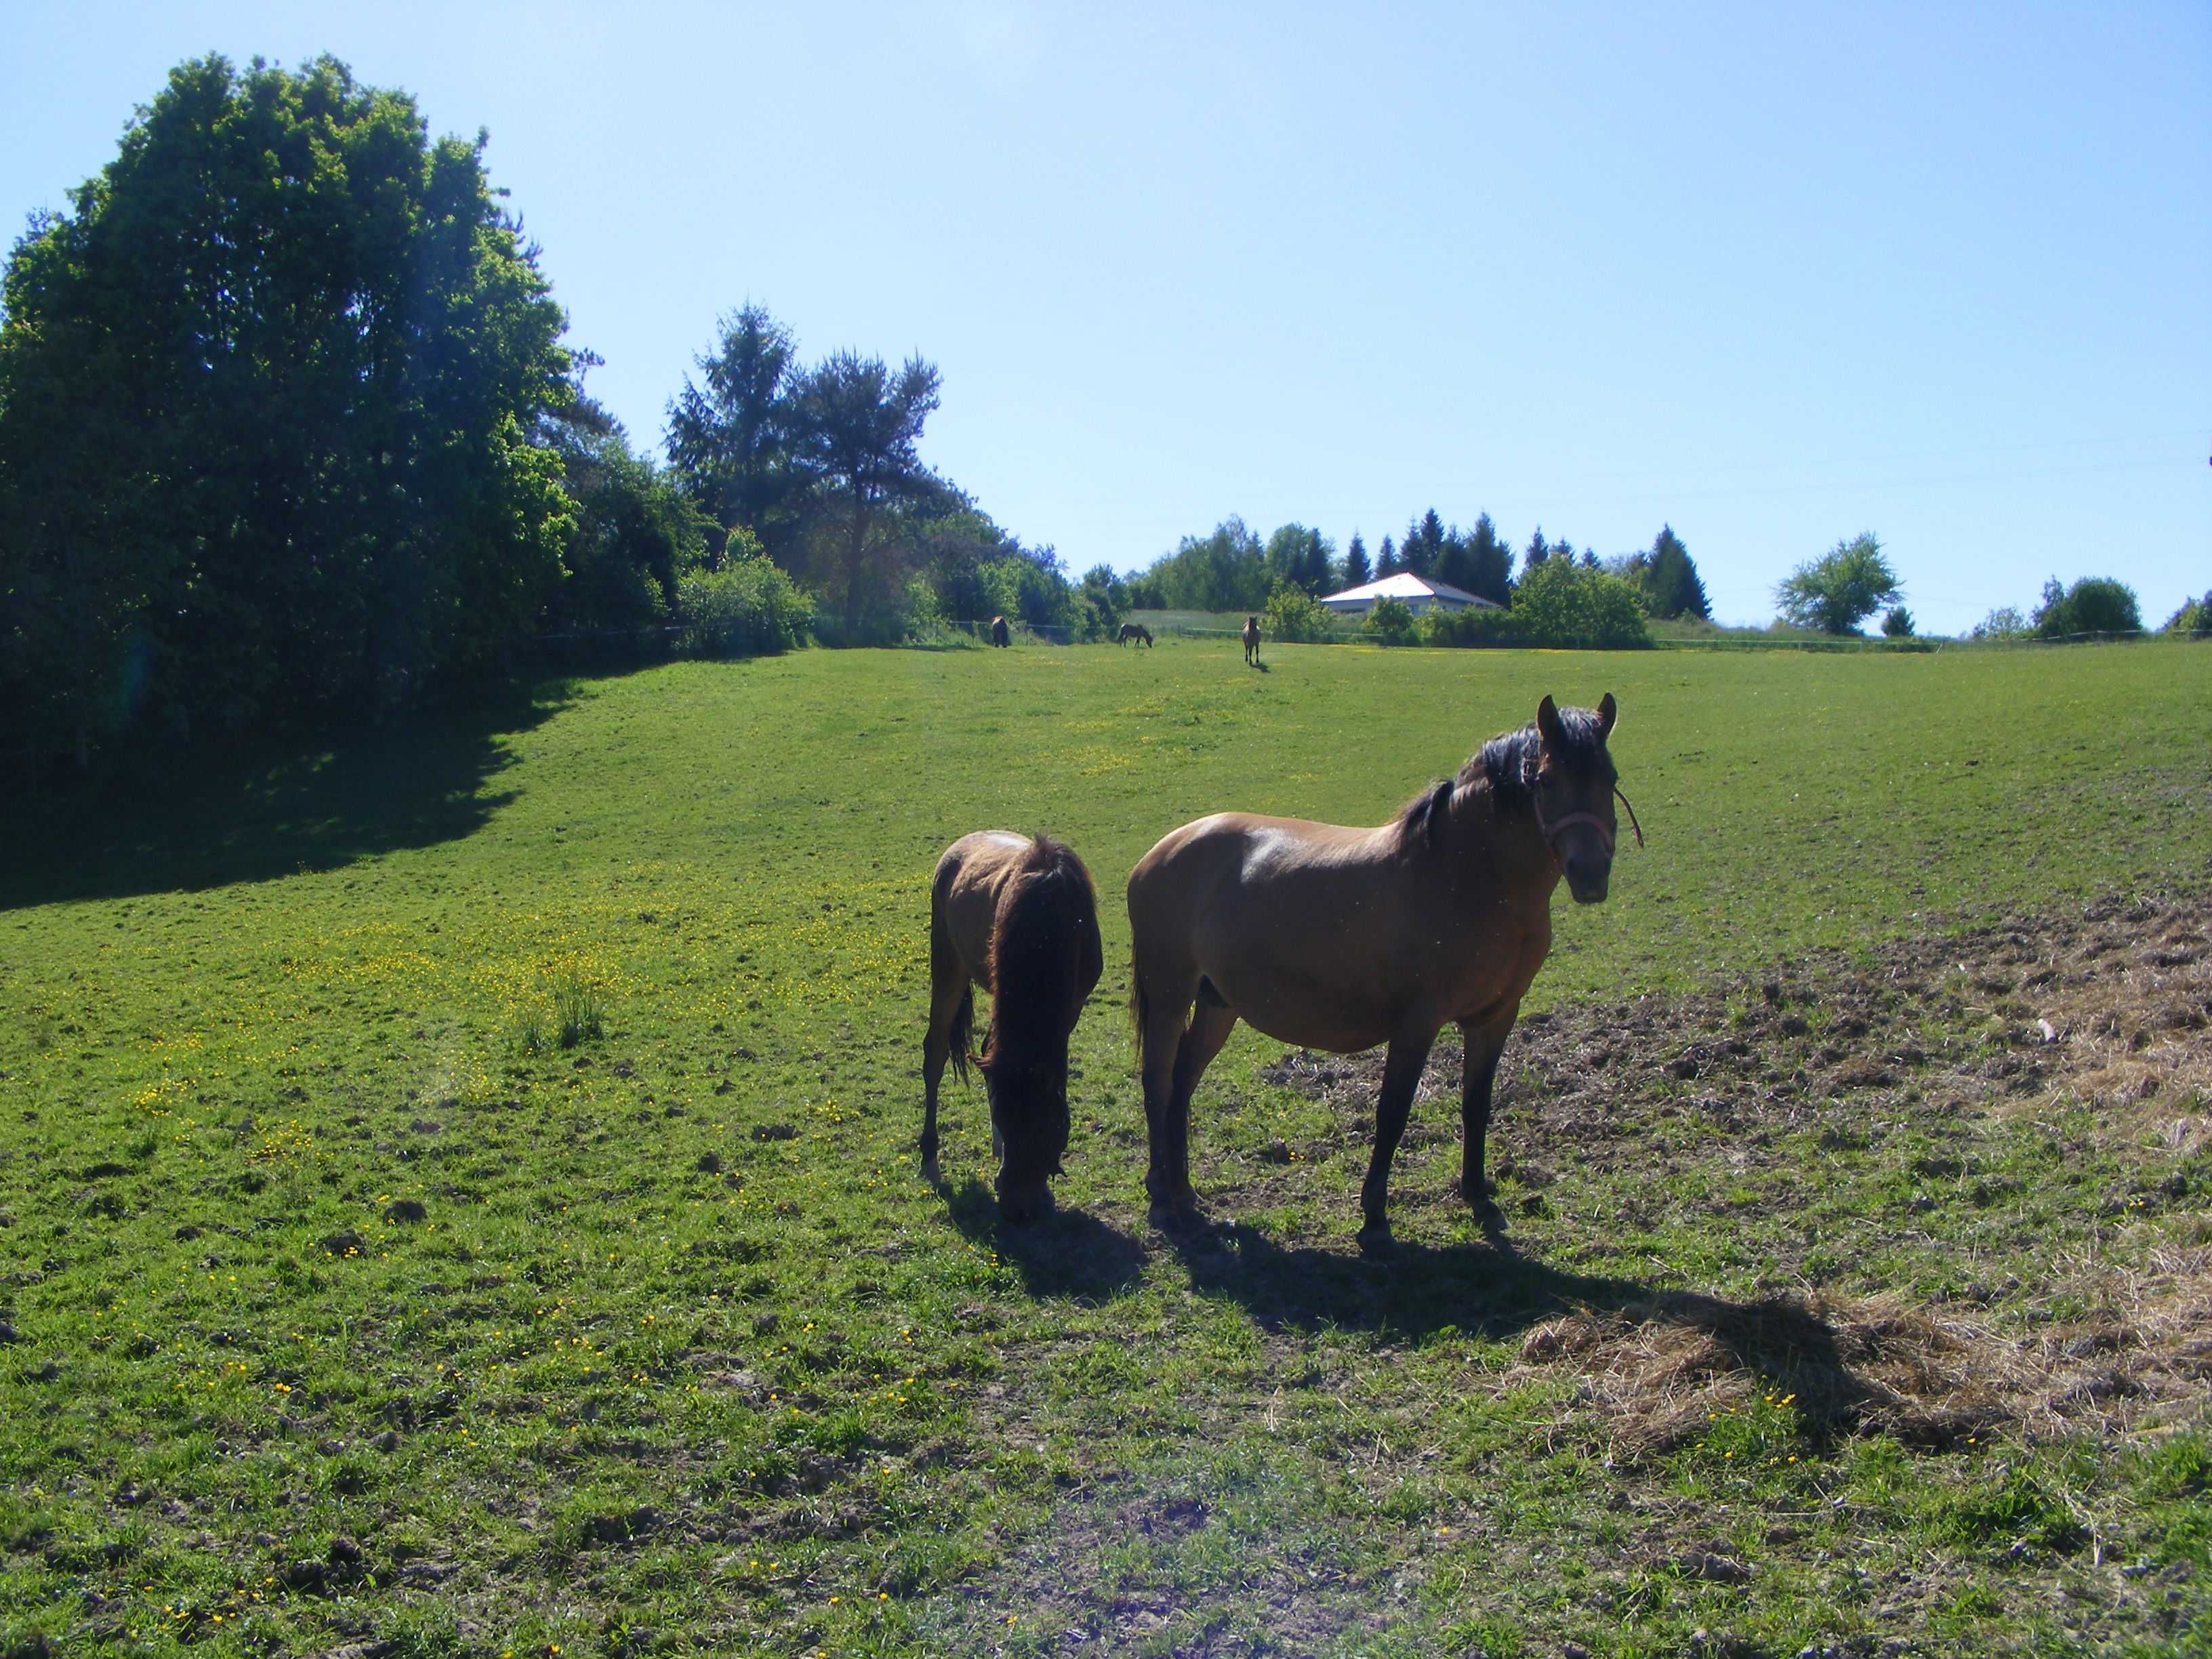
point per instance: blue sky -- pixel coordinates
(1774, 275)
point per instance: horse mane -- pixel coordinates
(1507, 764)
(1036, 942)
(1046, 926)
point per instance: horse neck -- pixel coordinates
(1500, 844)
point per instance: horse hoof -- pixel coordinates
(1375, 1234)
(1176, 1216)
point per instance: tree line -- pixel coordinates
(1231, 569)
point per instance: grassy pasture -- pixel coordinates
(345, 1308)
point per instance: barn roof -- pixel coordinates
(1404, 585)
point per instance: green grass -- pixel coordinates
(456, 1189)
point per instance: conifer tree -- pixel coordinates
(1669, 578)
(1537, 551)
(1356, 571)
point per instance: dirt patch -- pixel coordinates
(2108, 1006)
(2111, 1003)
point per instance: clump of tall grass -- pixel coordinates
(573, 1011)
(527, 1034)
(579, 1011)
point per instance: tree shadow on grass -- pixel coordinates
(1408, 1291)
(186, 819)
(1066, 1253)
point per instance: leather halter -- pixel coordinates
(1552, 830)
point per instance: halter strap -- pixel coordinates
(1552, 830)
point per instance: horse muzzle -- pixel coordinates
(1023, 1201)
(1588, 877)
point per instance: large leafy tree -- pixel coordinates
(1226, 570)
(855, 425)
(266, 393)
(2095, 605)
(1841, 589)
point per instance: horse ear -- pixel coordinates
(1607, 712)
(1547, 720)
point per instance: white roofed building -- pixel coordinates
(1416, 593)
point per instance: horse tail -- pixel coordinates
(962, 1032)
(942, 951)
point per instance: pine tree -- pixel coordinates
(1538, 551)
(1356, 571)
(1313, 569)
(1386, 562)
(1669, 576)
(1424, 545)
(1489, 563)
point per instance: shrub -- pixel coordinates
(2194, 619)
(2095, 605)
(1292, 614)
(1476, 625)
(1561, 604)
(1897, 623)
(2005, 622)
(747, 609)
(1389, 623)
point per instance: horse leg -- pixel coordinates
(1485, 1042)
(1162, 1006)
(1209, 1028)
(949, 995)
(1401, 1072)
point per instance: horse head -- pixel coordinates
(1029, 1125)
(1573, 790)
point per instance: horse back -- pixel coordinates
(966, 891)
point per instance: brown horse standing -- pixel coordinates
(1252, 640)
(1136, 632)
(1339, 938)
(1000, 634)
(1019, 918)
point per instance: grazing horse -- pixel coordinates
(1000, 633)
(1342, 939)
(1019, 918)
(1133, 631)
(1252, 641)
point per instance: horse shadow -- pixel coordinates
(1407, 1291)
(1064, 1253)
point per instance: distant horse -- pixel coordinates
(1019, 918)
(1252, 641)
(1000, 633)
(1341, 938)
(1134, 631)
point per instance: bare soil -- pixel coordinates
(2108, 1006)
